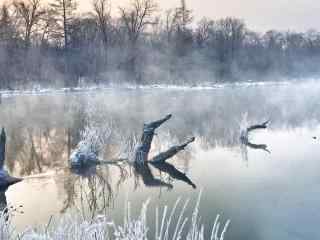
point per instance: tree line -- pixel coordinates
(51, 44)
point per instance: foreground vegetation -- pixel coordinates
(100, 228)
(50, 43)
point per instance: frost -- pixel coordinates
(71, 227)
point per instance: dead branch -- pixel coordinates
(142, 152)
(143, 149)
(258, 126)
(162, 157)
(245, 134)
(245, 137)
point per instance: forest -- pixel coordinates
(53, 44)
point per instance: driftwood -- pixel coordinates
(162, 157)
(245, 136)
(5, 179)
(141, 163)
(142, 151)
(85, 159)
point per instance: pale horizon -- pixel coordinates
(282, 15)
(295, 15)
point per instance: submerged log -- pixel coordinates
(5, 179)
(245, 134)
(245, 137)
(264, 125)
(84, 156)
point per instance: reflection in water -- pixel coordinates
(148, 179)
(4, 205)
(94, 187)
(263, 147)
(43, 130)
(5, 210)
(3, 200)
(173, 172)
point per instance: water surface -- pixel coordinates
(267, 195)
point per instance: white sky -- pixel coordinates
(259, 15)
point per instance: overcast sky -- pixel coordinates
(259, 15)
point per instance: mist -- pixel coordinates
(41, 48)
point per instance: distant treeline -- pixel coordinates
(52, 44)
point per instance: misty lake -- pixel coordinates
(270, 193)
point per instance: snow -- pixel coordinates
(101, 228)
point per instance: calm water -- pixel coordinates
(272, 195)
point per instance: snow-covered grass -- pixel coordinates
(174, 225)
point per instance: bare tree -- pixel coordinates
(137, 17)
(203, 31)
(64, 13)
(102, 11)
(48, 23)
(170, 23)
(7, 30)
(183, 15)
(30, 12)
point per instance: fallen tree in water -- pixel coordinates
(87, 151)
(143, 149)
(159, 161)
(245, 133)
(245, 136)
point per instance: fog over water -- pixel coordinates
(262, 192)
(235, 85)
